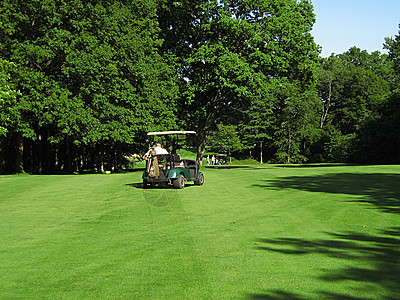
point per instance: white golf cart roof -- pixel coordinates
(179, 132)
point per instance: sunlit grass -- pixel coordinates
(274, 232)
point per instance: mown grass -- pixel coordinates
(270, 232)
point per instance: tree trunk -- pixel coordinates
(57, 161)
(68, 158)
(326, 107)
(202, 135)
(215, 104)
(47, 153)
(2, 155)
(289, 146)
(100, 159)
(201, 147)
(39, 154)
(19, 165)
(117, 156)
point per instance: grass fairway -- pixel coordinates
(274, 232)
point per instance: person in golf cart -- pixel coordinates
(158, 149)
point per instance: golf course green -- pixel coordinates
(250, 232)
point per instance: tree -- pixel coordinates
(364, 84)
(237, 53)
(91, 77)
(256, 124)
(351, 87)
(225, 139)
(9, 117)
(327, 74)
(393, 45)
(8, 98)
(297, 123)
(378, 138)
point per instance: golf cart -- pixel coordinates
(220, 159)
(169, 168)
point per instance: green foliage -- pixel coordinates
(378, 138)
(225, 139)
(90, 73)
(9, 115)
(297, 124)
(393, 45)
(352, 86)
(238, 53)
(364, 84)
(81, 82)
(257, 121)
(359, 83)
(339, 147)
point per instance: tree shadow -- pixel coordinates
(134, 170)
(317, 165)
(373, 259)
(380, 189)
(277, 295)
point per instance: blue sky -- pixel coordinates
(342, 24)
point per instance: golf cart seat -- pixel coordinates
(168, 161)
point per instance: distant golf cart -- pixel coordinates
(220, 159)
(170, 169)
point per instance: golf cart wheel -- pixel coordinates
(179, 183)
(200, 179)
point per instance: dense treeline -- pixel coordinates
(81, 82)
(89, 81)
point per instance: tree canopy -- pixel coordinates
(81, 82)
(91, 79)
(238, 52)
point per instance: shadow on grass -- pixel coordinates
(380, 189)
(321, 165)
(373, 259)
(157, 196)
(139, 185)
(134, 170)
